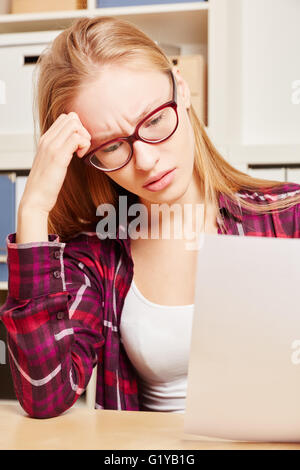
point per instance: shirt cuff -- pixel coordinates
(36, 268)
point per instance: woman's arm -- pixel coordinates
(53, 317)
(32, 225)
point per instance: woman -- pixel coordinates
(114, 113)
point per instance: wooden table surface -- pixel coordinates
(82, 428)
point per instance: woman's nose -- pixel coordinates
(145, 155)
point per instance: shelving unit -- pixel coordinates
(265, 154)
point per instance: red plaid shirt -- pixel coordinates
(64, 305)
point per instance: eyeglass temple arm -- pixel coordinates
(174, 87)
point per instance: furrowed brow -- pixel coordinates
(106, 137)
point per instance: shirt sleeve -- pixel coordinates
(53, 318)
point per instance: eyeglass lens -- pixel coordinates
(158, 127)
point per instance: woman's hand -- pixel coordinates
(54, 153)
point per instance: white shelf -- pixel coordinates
(16, 160)
(62, 19)
(264, 154)
(16, 151)
(32, 37)
(3, 285)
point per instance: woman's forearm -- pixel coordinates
(32, 225)
(54, 326)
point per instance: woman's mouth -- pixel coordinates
(163, 182)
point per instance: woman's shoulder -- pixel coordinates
(282, 223)
(270, 194)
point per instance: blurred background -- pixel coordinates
(241, 59)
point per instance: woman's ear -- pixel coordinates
(183, 88)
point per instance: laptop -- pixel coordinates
(244, 366)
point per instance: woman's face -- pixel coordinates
(110, 106)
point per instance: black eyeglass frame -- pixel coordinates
(135, 136)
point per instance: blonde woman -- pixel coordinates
(114, 115)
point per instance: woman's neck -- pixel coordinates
(181, 216)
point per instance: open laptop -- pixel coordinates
(244, 367)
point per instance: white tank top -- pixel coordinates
(157, 339)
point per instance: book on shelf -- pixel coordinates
(7, 211)
(11, 191)
(126, 3)
(33, 6)
(20, 186)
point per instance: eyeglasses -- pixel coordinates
(156, 127)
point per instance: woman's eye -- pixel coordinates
(154, 121)
(112, 148)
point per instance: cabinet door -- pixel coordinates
(16, 79)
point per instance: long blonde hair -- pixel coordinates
(69, 63)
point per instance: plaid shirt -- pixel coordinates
(64, 305)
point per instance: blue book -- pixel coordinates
(7, 220)
(126, 3)
(20, 186)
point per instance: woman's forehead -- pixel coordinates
(124, 85)
(121, 94)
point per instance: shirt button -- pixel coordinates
(57, 274)
(60, 316)
(57, 254)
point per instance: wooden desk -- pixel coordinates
(81, 428)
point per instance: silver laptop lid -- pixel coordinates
(244, 368)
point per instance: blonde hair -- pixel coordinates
(69, 63)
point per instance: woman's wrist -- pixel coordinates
(32, 225)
